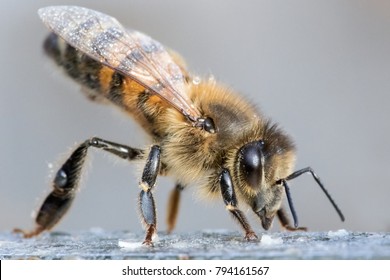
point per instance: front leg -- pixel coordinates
(146, 200)
(229, 197)
(285, 221)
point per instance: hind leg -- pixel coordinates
(66, 181)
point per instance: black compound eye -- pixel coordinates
(209, 125)
(251, 160)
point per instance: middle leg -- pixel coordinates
(173, 207)
(146, 200)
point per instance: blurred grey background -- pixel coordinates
(319, 68)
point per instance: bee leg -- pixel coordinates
(65, 183)
(285, 221)
(173, 207)
(59, 200)
(230, 199)
(122, 151)
(146, 200)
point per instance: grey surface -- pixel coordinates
(319, 68)
(222, 244)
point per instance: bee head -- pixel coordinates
(260, 164)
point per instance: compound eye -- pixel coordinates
(209, 125)
(251, 159)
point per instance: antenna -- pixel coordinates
(317, 179)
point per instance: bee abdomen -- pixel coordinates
(103, 82)
(77, 65)
(51, 47)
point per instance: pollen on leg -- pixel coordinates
(230, 207)
(144, 186)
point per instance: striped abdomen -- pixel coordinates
(104, 82)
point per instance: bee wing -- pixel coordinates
(130, 52)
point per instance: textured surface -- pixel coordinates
(319, 68)
(100, 244)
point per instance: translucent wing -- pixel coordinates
(127, 51)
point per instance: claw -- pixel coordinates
(290, 228)
(148, 243)
(251, 236)
(29, 234)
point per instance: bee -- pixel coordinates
(201, 133)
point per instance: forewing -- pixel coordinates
(130, 52)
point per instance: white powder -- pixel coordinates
(338, 233)
(269, 241)
(129, 245)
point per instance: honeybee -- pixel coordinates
(201, 133)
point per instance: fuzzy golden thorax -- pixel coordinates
(191, 155)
